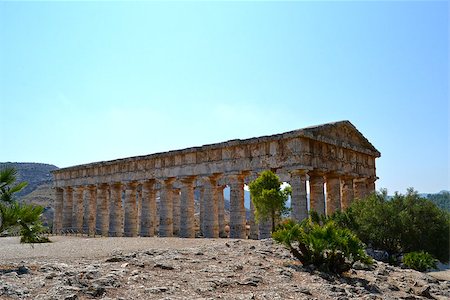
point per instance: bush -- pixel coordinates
(402, 224)
(328, 247)
(419, 261)
(26, 218)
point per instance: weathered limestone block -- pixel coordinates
(237, 209)
(91, 208)
(347, 194)
(176, 212)
(299, 201)
(211, 223)
(187, 218)
(68, 208)
(360, 188)
(264, 228)
(166, 209)
(78, 209)
(130, 222)
(148, 214)
(333, 197)
(58, 216)
(371, 185)
(116, 210)
(103, 209)
(317, 196)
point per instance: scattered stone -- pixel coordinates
(157, 290)
(164, 266)
(423, 291)
(252, 281)
(115, 259)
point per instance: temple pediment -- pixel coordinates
(343, 134)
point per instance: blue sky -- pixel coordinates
(90, 81)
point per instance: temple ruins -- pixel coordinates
(154, 194)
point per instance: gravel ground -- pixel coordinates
(174, 268)
(72, 249)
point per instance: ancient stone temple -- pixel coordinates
(154, 194)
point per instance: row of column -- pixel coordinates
(111, 213)
(328, 192)
(106, 211)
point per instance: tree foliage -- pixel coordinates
(14, 216)
(325, 245)
(268, 198)
(419, 261)
(402, 224)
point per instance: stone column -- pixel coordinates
(211, 224)
(176, 212)
(360, 188)
(67, 208)
(102, 209)
(78, 209)
(148, 215)
(116, 210)
(130, 220)
(187, 209)
(333, 193)
(316, 195)
(264, 228)
(201, 215)
(370, 184)
(166, 209)
(237, 209)
(299, 200)
(254, 232)
(221, 211)
(58, 215)
(347, 194)
(92, 205)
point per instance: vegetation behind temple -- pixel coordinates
(398, 225)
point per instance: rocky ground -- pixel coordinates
(172, 268)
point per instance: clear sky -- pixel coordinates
(90, 81)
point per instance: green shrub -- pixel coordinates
(402, 224)
(25, 218)
(420, 261)
(326, 246)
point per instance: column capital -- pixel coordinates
(333, 174)
(102, 186)
(90, 187)
(188, 179)
(132, 184)
(169, 180)
(299, 172)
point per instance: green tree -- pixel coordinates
(402, 224)
(268, 198)
(15, 216)
(8, 186)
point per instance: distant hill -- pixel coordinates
(35, 174)
(441, 199)
(39, 189)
